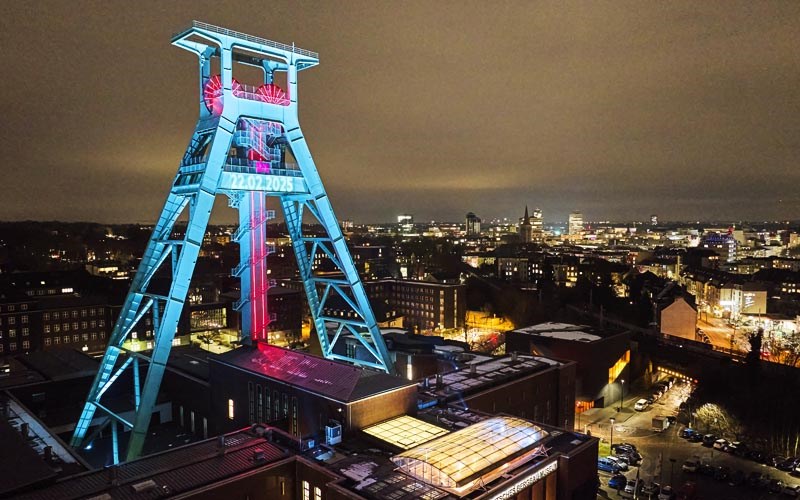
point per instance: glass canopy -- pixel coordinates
(456, 459)
(405, 432)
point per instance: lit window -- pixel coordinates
(230, 409)
(306, 491)
(317, 493)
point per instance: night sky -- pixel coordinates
(689, 110)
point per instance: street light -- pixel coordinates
(621, 392)
(671, 469)
(611, 440)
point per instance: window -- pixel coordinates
(101, 323)
(46, 316)
(102, 335)
(25, 318)
(25, 332)
(46, 328)
(84, 325)
(75, 314)
(47, 341)
(306, 491)
(1, 347)
(92, 312)
(56, 340)
(55, 315)
(66, 339)
(12, 320)
(94, 336)
(65, 327)
(317, 493)
(93, 324)
(12, 333)
(85, 337)
(56, 327)
(26, 344)
(12, 346)
(230, 409)
(75, 325)
(23, 307)
(11, 308)
(76, 338)
(83, 313)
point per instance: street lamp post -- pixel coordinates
(621, 392)
(671, 469)
(611, 440)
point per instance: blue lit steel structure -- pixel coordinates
(240, 146)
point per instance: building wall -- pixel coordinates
(679, 319)
(378, 408)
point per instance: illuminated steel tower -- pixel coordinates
(242, 146)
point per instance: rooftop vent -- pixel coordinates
(144, 486)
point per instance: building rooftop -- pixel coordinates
(60, 363)
(562, 331)
(171, 472)
(331, 379)
(405, 431)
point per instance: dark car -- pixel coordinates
(706, 469)
(695, 438)
(708, 440)
(650, 400)
(757, 456)
(774, 460)
(787, 465)
(623, 448)
(722, 473)
(688, 432)
(617, 481)
(631, 457)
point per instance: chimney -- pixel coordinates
(48, 453)
(259, 455)
(23, 429)
(220, 445)
(439, 381)
(473, 370)
(112, 475)
(514, 357)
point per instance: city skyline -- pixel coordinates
(684, 110)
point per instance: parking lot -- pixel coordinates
(665, 452)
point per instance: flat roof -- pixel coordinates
(176, 471)
(331, 379)
(60, 363)
(562, 331)
(405, 431)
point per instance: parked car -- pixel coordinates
(650, 400)
(631, 458)
(607, 466)
(641, 405)
(617, 481)
(666, 493)
(775, 486)
(651, 490)
(691, 465)
(630, 486)
(720, 444)
(757, 456)
(624, 447)
(791, 490)
(754, 478)
(707, 469)
(788, 465)
(695, 438)
(708, 439)
(620, 463)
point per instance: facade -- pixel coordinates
(601, 357)
(525, 228)
(473, 226)
(423, 305)
(679, 319)
(537, 226)
(575, 224)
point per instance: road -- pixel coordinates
(659, 449)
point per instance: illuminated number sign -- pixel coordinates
(537, 476)
(261, 182)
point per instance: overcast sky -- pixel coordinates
(688, 110)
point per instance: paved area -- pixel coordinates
(664, 453)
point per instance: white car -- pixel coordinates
(690, 465)
(640, 405)
(720, 443)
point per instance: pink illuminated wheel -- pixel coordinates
(212, 93)
(272, 94)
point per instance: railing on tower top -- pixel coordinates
(250, 38)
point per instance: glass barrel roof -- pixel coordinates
(405, 432)
(455, 459)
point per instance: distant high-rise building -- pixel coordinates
(537, 233)
(525, 228)
(347, 225)
(654, 220)
(473, 225)
(405, 223)
(575, 225)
